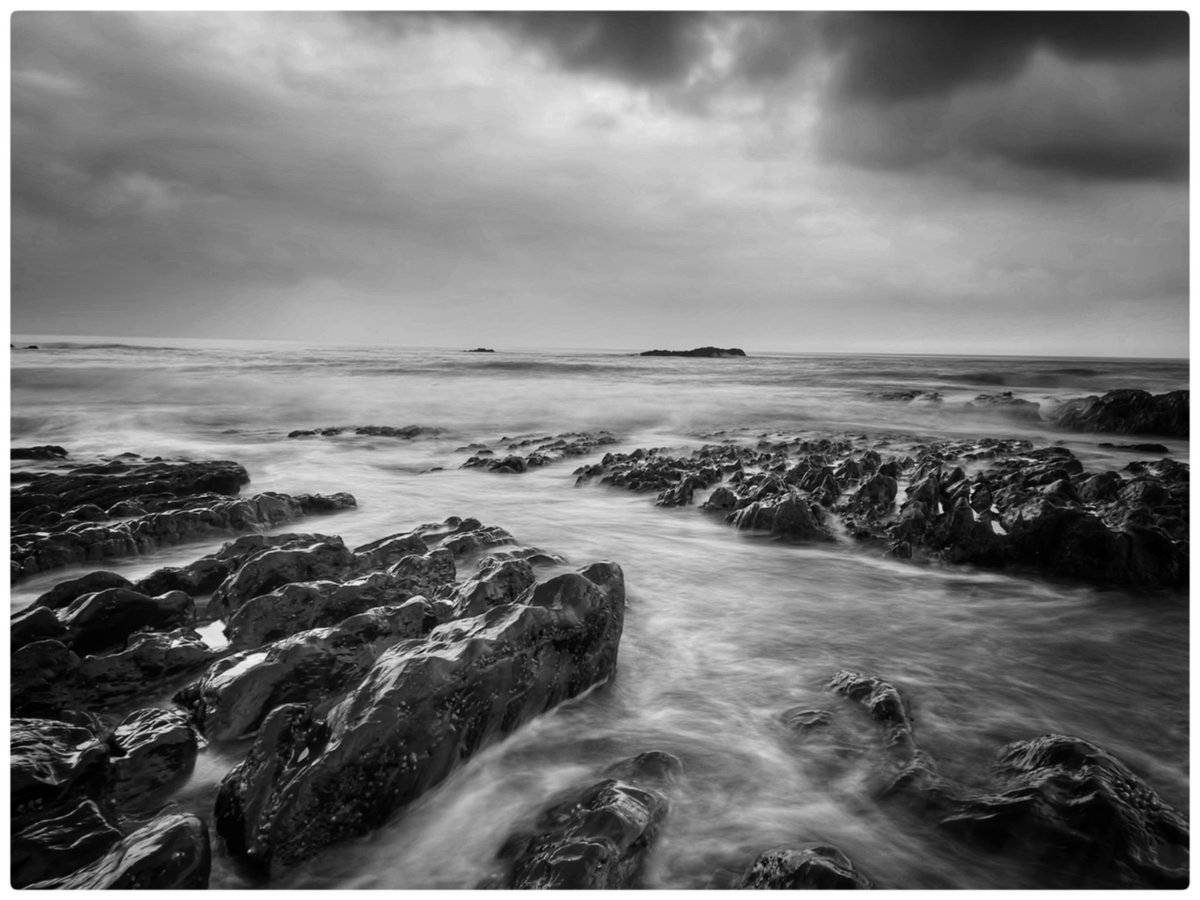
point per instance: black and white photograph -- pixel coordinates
(599, 449)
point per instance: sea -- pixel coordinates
(724, 631)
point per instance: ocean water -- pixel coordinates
(724, 631)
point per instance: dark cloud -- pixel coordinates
(886, 56)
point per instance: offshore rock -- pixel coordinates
(597, 839)
(108, 618)
(1126, 412)
(705, 352)
(317, 666)
(421, 709)
(61, 843)
(1009, 406)
(149, 749)
(1068, 802)
(810, 867)
(46, 451)
(172, 852)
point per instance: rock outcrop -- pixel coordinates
(808, 867)
(422, 708)
(1126, 412)
(705, 352)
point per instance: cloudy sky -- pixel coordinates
(928, 183)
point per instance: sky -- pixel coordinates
(1008, 183)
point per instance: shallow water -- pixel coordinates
(724, 631)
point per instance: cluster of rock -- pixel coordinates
(704, 352)
(522, 454)
(990, 503)
(1060, 801)
(1123, 411)
(405, 432)
(364, 676)
(126, 506)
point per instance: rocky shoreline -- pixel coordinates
(354, 679)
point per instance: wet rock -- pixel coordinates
(46, 451)
(65, 593)
(108, 618)
(1009, 406)
(462, 543)
(53, 764)
(150, 658)
(405, 432)
(301, 606)
(200, 577)
(495, 583)
(149, 749)
(1126, 412)
(274, 567)
(809, 867)
(421, 709)
(233, 697)
(1138, 448)
(61, 843)
(536, 451)
(1068, 802)
(705, 352)
(170, 852)
(597, 839)
(42, 679)
(790, 516)
(34, 624)
(391, 549)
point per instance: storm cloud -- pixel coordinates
(790, 180)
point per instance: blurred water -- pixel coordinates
(724, 631)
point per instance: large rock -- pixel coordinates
(810, 867)
(149, 749)
(107, 618)
(52, 765)
(421, 709)
(61, 843)
(1126, 412)
(234, 696)
(1068, 802)
(37, 623)
(42, 679)
(149, 658)
(597, 839)
(65, 593)
(495, 583)
(171, 852)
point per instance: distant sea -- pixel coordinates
(724, 630)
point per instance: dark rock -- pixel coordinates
(65, 593)
(171, 852)
(421, 709)
(42, 679)
(35, 624)
(480, 350)
(236, 693)
(1138, 448)
(1009, 406)
(107, 618)
(300, 606)
(707, 352)
(53, 764)
(1126, 412)
(810, 867)
(150, 657)
(1070, 803)
(47, 451)
(149, 749)
(791, 516)
(597, 839)
(497, 582)
(200, 577)
(274, 567)
(385, 551)
(61, 843)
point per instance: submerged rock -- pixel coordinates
(597, 839)
(421, 709)
(809, 867)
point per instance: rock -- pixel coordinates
(809, 867)
(597, 839)
(233, 697)
(480, 350)
(391, 549)
(721, 499)
(1009, 406)
(65, 593)
(1126, 412)
(150, 658)
(200, 577)
(47, 451)
(108, 618)
(52, 765)
(149, 749)
(172, 852)
(421, 709)
(790, 516)
(35, 624)
(42, 679)
(463, 543)
(61, 843)
(274, 567)
(496, 583)
(706, 352)
(1072, 804)
(1138, 448)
